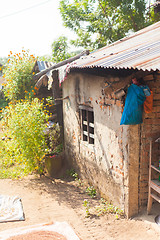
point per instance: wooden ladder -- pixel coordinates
(154, 184)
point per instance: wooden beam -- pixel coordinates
(42, 81)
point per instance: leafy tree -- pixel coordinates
(60, 49)
(18, 75)
(98, 22)
(154, 13)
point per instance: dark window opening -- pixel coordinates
(87, 124)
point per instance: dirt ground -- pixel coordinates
(45, 201)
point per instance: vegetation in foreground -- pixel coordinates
(23, 141)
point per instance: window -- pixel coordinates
(87, 124)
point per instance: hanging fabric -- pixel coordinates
(133, 109)
(148, 103)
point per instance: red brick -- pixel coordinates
(157, 77)
(153, 84)
(152, 121)
(158, 115)
(156, 97)
(150, 115)
(144, 155)
(156, 106)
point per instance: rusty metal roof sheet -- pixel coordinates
(139, 51)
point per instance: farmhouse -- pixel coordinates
(114, 158)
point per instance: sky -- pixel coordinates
(28, 24)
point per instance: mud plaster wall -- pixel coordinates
(110, 164)
(149, 128)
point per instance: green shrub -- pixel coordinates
(3, 104)
(18, 75)
(25, 142)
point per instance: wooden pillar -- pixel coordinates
(57, 95)
(132, 198)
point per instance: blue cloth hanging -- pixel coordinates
(133, 108)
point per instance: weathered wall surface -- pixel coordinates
(111, 163)
(149, 128)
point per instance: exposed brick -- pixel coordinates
(144, 155)
(158, 116)
(156, 104)
(150, 115)
(152, 121)
(146, 128)
(157, 77)
(153, 84)
(149, 135)
(156, 97)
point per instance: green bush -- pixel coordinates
(18, 75)
(3, 104)
(25, 141)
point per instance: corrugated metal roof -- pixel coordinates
(139, 51)
(44, 65)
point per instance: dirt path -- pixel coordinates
(45, 201)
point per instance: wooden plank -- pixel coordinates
(157, 140)
(156, 181)
(150, 159)
(150, 200)
(155, 186)
(85, 133)
(155, 168)
(91, 135)
(91, 125)
(155, 197)
(85, 123)
(84, 107)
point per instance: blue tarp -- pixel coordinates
(133, 109)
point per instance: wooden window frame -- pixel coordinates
(87, 124)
